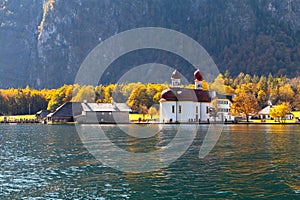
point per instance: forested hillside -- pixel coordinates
(141, 97)
(43, 43)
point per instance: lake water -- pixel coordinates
(248, 161)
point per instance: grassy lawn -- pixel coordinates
(135, 117)
(271, 121)
(17, 117)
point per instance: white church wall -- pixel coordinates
(186, 111)
(166, 111)
(204, 107)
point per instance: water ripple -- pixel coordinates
(50, 162)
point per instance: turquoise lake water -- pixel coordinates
(248, 162)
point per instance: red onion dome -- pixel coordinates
(198, 76)
(168, 95)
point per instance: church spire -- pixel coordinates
(175, 79)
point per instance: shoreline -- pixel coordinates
(146, 123)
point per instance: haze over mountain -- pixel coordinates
(42, 44)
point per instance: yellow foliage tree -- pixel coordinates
(280, 111)
(152, 111)
(286, 93)
(219, 86)
(86, 93)
(214, 109)
(138, 100)
(108, 91)
(245, 102)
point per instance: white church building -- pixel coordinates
(183, 105)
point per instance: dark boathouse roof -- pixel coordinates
(184, 94)
(68, 109)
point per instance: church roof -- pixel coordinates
(185, 94)
(175, 75)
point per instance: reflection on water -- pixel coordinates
(119, 150)
(50, 162)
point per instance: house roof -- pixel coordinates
(68, 109)
(43, 113)
(224, 96)
(105, 107)
(265, 110)
(185, 94)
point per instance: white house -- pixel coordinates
(265, 113)
(185, 105)
(100, 113)
(224, 103)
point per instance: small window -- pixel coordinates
(197, 109)
(179, 109)
(173, 109)
(109, 113)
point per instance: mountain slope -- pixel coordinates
(43, 44)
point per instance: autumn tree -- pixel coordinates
(296, 102)
(86, 93)
(152, 111)
(238, 80)
(228, 81)
(250, 90)
(245, 102)
(286, 93)
(295, 85)
(108, 91)
(219, 85)
(138, 100)
(280, 111)
(60, 96)
(99, 93)
(159, 88)
(214, 109)
(3, 105)
(118, 95)
(262, 92)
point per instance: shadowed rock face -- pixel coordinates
(42, 44)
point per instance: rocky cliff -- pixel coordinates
(42, 44)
